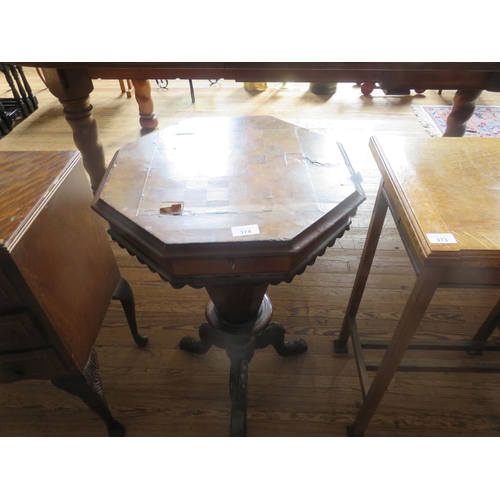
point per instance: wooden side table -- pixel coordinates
(443, 196)
(58, 275)
(232, 205)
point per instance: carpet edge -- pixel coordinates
(430, 127)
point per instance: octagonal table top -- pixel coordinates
(227, 186)
(225, 173)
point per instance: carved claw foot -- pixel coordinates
(274, 334)
(208, 338)
(190, 344)
(293, 347)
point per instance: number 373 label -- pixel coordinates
(245, 230)
(443, 238)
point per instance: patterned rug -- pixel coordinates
(484, 123)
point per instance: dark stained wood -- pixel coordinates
(394, 75)
(229, 175)
(58, 276)
(17, 177)
(73, 297)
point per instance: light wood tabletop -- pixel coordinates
(447, 186)
(443, 197)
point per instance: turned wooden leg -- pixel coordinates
(123, 293)
(73, 88)
(79, 116)
(32, 97)
(88, 388)
(147, 115)
(6, 70)
(464, 104)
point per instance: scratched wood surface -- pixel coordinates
(162, 391)
(53, 257)
(446, 186)
(227, 172)
(17, 180)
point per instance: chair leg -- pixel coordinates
(128, 89)
(191, 88)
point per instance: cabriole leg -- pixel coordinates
(87, 386)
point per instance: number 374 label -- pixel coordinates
(245, 230)
(443, 238)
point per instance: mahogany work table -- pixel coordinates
(71, 83)
(58, 275)
(231, 205)
(443, 197)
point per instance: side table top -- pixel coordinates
(442, 188)
(26, 179)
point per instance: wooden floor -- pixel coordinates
(163, 391)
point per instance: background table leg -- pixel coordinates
(79, 116)
(148, 119)
(73, 87)
(464, 104)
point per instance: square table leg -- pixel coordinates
(420, 297)
(372, 238)
(489, 325)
